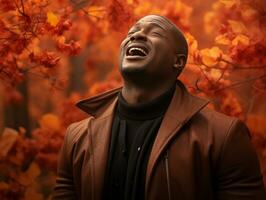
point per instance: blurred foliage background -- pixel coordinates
(54, 53)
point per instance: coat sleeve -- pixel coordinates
(239, 175)
(65, 188)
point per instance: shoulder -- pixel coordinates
(218, 122)
(219, 131)
(77, 131)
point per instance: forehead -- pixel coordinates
(154, 21)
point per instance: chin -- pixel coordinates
(131, 69)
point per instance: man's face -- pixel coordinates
(148, 49)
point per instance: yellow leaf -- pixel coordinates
(215, 52)
(61, 39)
(50, 121)
(215, 74)
(241, 39)
(96, 12)
(52, 18)
(237, 27)
(222, 39)
(210, 56)
(192, 42)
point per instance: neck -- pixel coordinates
(135, 94)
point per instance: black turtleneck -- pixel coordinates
(133, 133)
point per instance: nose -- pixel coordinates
(138, 35)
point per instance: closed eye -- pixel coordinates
(156, 34)
(130, 33)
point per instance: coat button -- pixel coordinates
(139, 148)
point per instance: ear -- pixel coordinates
(180, 61)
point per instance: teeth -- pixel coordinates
(138, 49)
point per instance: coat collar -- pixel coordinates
(183, 107)
(100, 105)
(183, 104)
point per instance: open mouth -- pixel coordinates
(137, 51)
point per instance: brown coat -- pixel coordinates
(198, 154)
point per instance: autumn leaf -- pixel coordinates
(96, 12)
(7, 140)
(118, 15)
(45, 58)
(214, 74)
(209, 22)
(222, 39)
(28, 176)
(241, 39)
(210, 56)
(249, 14)
(71, 48)
(228, 3)
(50, 121)
(146, 7)
(192, 42)
(52, 18)
(237, 26)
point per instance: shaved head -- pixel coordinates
(180, 43)
(153, 53)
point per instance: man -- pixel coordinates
(151, 139)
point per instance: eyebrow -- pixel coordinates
(153, 23)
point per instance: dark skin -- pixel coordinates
(149, 62)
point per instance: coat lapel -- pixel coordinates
(100, 134)
(182, 107)
(101, 108)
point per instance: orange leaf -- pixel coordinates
(237, 27)
(214, 74)
(146, 7)
(192, 42)
(26, 178)
(52, 19)
(249, 14)
(209, 22)
(210, 56)
(50, 121)
(96, 12)
(228, 3)
(222, 39)
(7, 140)
(241, 39)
